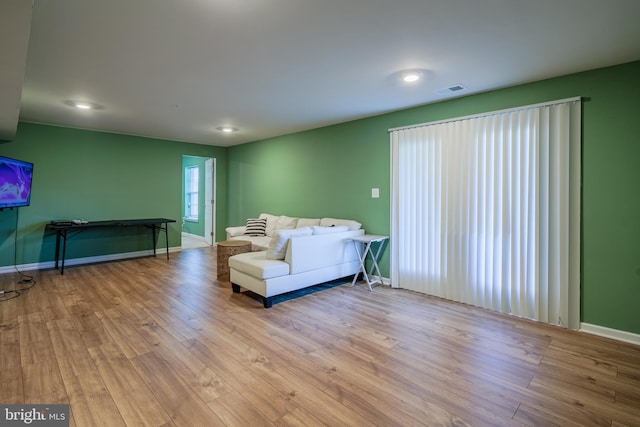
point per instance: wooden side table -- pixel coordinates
(226, 249)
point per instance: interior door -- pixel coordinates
(209, 201)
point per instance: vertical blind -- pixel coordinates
(486, 210)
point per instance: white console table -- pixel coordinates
(368, 240)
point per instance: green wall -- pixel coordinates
(330, 172)
(81, 174)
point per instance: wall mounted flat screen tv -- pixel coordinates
(15, 182)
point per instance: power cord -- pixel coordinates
(25, 280)
(12, 295)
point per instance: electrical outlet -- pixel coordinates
(375, 193)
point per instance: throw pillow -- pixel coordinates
(278, 245)
(256, 227)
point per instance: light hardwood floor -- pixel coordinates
(151, 342)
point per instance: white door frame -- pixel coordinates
(210, 201)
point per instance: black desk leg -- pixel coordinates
(153, 236)
(159, 228)
(57, 256)
(166, 236)
(64, 250)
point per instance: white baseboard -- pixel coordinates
(610, 333)
(86, 260)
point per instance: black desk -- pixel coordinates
(70, 230)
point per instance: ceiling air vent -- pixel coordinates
(451, 89)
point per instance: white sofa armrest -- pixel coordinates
(235, 231)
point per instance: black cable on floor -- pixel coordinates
(26, 281)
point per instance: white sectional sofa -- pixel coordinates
(295, 257)
(280, 222)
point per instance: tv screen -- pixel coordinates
(15, 182)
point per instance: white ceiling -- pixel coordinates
(177, 69)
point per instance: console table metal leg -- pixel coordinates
(64, 250)
(153, 237)
(57, 255)
(166, 237)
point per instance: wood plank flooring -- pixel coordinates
(151, 342)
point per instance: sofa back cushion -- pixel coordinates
(317, 229)
(271, 222)
(278, 246)
(284, 221)
(276, 222)
(308, 222)
(328, 222)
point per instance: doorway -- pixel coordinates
(198, 201)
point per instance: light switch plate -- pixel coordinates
(375, 193)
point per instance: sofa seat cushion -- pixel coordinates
(257, 265)
(258, 243)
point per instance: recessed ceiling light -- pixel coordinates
(411, 77)
(83, 105)
(227, 129)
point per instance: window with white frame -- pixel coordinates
(191, 174)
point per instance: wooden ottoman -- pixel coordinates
(226, 249)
